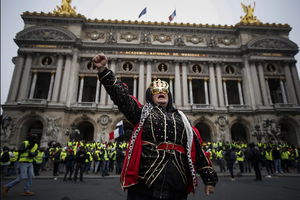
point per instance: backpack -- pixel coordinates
(5, 157)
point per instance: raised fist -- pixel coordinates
(100, 61)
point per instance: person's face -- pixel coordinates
(161, 99)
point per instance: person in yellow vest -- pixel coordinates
(269, 162)
(88, 161)
(240, 159)
(105, 162)
(62, 164)
(96, 158)
(14, 161)
(285, 159)
(27, 151)
(6, 154)
(38, 161)
(112, 159)
(220, 159)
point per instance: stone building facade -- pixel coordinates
(235, 83)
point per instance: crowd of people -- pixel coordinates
(105, 158)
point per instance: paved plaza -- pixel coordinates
(275, 188)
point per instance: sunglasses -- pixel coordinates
(159, 90)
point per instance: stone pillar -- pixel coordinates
(263, 86)
(283, 91)
(103, 96)
(33, 84)
(206, 92)
(257, 94)
(184, 85)
(23, 91)
(81, 89)
(15, 81)
(219, 82)
(240, 92)
(51, 86)
(289, 85)
(141, 82)
(191, 91)
(171, 84)
(57, 78)
(65, 80)
(134, 85)
(73, 86)
(212, 85)
(268, 92)
(177, 85)
(97, 91)
(225, 92)
(296, 81)
(248, 83)
(113, 69)
(149, 74)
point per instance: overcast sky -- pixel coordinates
(188, 11)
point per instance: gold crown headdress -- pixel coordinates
(159, 86)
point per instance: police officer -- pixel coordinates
(27, 152)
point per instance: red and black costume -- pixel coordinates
(164, 152)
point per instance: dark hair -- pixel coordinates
(149, 99)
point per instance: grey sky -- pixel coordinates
(188, 11)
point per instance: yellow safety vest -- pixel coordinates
(39, 157)
(285, 155)
(239, 156)
(24, 157)
(15, 157)
(269, 155)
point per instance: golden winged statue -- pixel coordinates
(249, 18)
(65, 8)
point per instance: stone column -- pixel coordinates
(268, 92)
(73, 86)
(57, 78)
(103, 96)
(283, 91)
(240, 92)
(191, 91)
(206, 92)
(248, 83)
(225, 92)
(65, 80)
(184, 85)
(97, 91)
(113, 69)
(219, 82)
(257, 94)
(171, 86)
(51, 86)
(177, 85)
(134, 85)
(212, 85)
(141, 82)
(264, 89)
(33, 84)
(289, 85)
(149, 74)
(15, 81)
(23, 91)
(81, 89)
(296, 80)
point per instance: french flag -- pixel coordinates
(172, 16)
(119, 131)
(144, 11)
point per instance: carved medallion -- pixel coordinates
(94, 35)
(194, 39)
(104, 120)
(162, 38)
(128, 36)
(226, 41)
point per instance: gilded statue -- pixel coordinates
(249, 18)
(65, 8)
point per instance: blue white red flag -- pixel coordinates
(172, 16)
(144, 11)
(119, 131)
